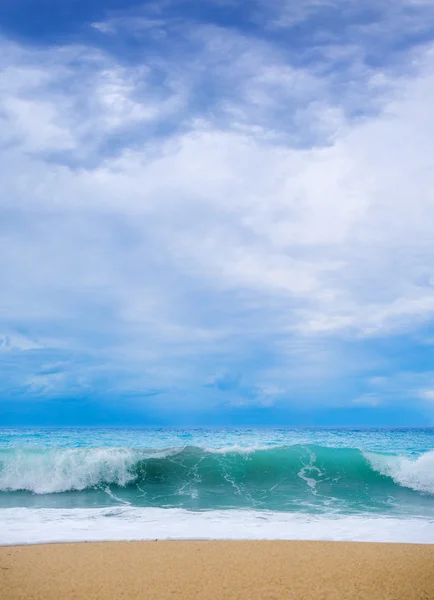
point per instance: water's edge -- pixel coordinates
(31, 526)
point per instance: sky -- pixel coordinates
(217, 212)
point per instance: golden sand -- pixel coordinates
(213, 570)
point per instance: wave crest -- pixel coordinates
(417, 474)
(255, 473)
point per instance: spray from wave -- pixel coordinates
(417, 474)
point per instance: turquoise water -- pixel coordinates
(85, 484)
(309, 470)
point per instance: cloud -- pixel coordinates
(10, 343)
(369, 399)
(427, 395)
(162, 217)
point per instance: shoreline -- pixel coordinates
(201, 569)
(198, 540)
(118, 524)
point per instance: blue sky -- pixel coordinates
(217, 212)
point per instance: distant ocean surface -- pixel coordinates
(121, 484)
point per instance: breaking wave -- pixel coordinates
(257, 473)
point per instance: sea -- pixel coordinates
(59, 485)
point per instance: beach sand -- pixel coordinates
(213, 570)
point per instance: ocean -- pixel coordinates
(123, 484)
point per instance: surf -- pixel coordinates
(278, 477)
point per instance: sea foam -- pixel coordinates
(29, 526)
(416, 473)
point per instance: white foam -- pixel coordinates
(237, 449)
(66, 469)
(417, 474)
(59, 470)
(30, 526)
(309, 468)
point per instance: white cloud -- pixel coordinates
(393, 19)
(16, 342)
(46, 384)
(265, 202)
(135, 25)
(368, 399)
(427, 395)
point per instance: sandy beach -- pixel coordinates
(252, 569)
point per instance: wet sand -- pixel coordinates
(270, 570)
